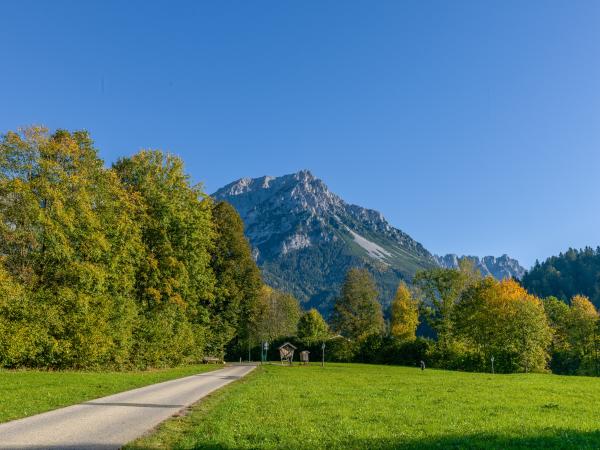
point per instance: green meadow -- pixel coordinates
(353, 406)
(27, 392)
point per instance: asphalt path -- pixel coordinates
(111, 422)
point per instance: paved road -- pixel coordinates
(110, 422)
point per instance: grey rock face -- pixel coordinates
(305, 238)
(499, 267)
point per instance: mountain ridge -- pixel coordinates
(305, 238)
(499, 267)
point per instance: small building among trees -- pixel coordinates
(286, 353)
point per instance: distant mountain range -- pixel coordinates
(499, 267)
(305, 238)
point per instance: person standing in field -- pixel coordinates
(422, 365)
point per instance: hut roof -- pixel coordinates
(287, 344)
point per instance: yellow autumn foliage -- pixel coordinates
(405, 314)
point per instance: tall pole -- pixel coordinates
(595, 351)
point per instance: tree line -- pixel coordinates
(126, 266)
(566, 275)
(477, 323)
(135, 266)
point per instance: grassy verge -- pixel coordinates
(27, 392)
(362, 406)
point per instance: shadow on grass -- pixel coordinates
(564, 439)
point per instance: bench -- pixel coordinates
(212, 359)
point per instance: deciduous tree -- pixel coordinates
(312, 328)
(558, 315)
(275, 315)
(583, 323)
(68, 236)
(357, 313)
(238, 280)
(405, 314)
(442, 288)
(500, 319)
(174, 281)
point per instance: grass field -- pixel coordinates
(27, 392)
(362, 406)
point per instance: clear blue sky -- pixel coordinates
(473, 126)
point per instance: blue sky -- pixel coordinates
(473, 126)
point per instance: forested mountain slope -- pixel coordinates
(568, 274)
(305, 238)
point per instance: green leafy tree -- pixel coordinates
(442, 289)
(574, 348)
(23, 334)
(357, 313)
(68, 236)
(582, 327)
(238, 281)
(312, 328)
(405, 314)
(532, 335)
(174, 281)
(558, 315)
(275, 315)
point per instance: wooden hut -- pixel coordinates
(286, 353)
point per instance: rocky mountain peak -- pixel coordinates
(295, 221)
(305, 238)
(300, 192)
